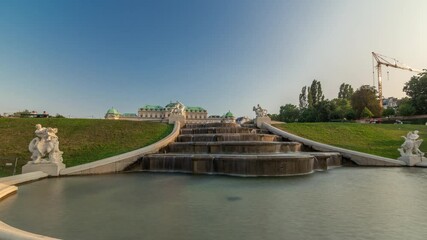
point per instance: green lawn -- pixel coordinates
(378, 139)
(81, 140)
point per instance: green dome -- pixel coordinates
(113, 111)
(228, 115)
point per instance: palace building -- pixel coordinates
(161, 114)
(156, 112)
(112, 113)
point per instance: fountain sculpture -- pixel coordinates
(261, 116)
(45, 153)
(177, 114)
(409, 150)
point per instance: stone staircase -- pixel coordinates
(230, 149)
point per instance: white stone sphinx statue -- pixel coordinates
(45, 147)
(409, 150)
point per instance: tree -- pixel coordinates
(315, 94)
(289, 113)
(405, 107)
(366, 113)
(341, 108)
(323, 111)
(346, 91)
(19, 114)
(416, 89)
(350, 115)
(307, 115)
(303, 98)
(389, 112)
(365, 97)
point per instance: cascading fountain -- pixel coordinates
(229, 149)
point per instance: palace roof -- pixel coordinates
(195, 109)
(153, 107)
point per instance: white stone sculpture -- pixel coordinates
(177, 114)
(259, 111)
(409, 150)
(411, 145)
(45, 147)
(261, 116)
(178, 109)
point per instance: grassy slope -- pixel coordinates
(81, 140)
(378, 139)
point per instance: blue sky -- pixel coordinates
(79, 58)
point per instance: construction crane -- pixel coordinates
(388, 62)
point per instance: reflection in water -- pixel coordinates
(344, 203)
(233, 198)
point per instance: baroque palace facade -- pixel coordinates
(161, 114)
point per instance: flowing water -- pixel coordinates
(343, 203)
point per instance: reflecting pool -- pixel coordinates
(343, 203)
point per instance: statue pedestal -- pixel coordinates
(422, 164)
(260, 120)
(52, 169)
(412, 160)
(180, 118)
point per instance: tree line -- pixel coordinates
(351, 105)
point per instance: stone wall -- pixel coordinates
(120, 162)
(362, 159)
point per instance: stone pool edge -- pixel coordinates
(7, 188)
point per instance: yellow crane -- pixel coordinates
(388, 62)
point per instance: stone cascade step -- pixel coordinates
(233, 147)
(249, 164)
(219, 130)
(212, 125)
(229, 149)
(226, 137)
(230, 164)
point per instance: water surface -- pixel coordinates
(343, 203)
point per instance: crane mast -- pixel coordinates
(388, 62)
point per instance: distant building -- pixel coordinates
(228, 118)
(112, 113)
(242, 120)
(152, 112)
(129, 115)
(34, 114)
(161, 114)
(390, 102)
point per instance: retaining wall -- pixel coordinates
(363, 159)
(119, 162)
